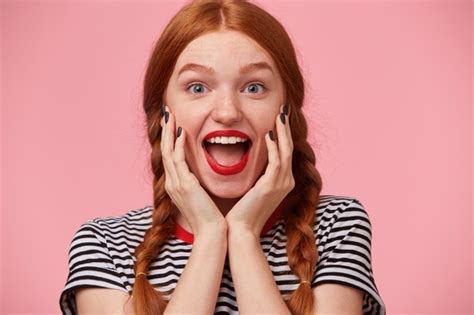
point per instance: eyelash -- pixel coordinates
(255, 83)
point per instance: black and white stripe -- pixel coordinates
(101, 255)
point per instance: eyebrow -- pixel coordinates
(251, 67)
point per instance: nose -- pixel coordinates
(226, 110)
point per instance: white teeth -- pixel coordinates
(226, 140)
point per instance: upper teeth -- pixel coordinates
(226, 140)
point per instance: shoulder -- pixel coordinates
(333, 213)
(340, 218)
(342, 211)
(98, 241)
(343, 233)
(101, 254)
(133, 222)
(338, 204)
(136, 217)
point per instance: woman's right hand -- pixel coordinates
(181, 185)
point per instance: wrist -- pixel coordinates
(242, 232)
(213, 231)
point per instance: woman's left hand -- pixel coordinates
(252, 211)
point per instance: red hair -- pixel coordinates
(192, 21)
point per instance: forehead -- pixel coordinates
(223, 48)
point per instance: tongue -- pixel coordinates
(226, 154)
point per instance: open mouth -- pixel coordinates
(227, 155)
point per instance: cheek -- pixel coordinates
(268, 118)
(191, 147)
(261, 152)
(265, 126)
(189, 122)
(191, 155)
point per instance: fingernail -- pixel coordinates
(285, 109)
(167, 116)
(270, 134)
(179, 132)
(282, 118)
(162, 109)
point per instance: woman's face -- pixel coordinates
(225, 82)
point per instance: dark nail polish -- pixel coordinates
(167, 116)
(282, 118)
(179, 132)
(162, 109)
(285, 109)
(270, 134)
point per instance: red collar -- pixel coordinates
(188, 237)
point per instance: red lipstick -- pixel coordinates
(226, 133)
(221, 169)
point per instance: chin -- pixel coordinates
(229, 191)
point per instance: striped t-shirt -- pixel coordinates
(101, 255)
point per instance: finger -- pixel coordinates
(179, 158)
(167, 146)
(287, 125)
(285, 143)
(164, 155)
(273, 168)
(162, 150)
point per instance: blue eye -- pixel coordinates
(253, 90)
(196, 88)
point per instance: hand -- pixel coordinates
(252, 211)
(181, 185)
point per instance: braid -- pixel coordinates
(146, 299)
(299, 221)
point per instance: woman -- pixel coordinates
(238, 223)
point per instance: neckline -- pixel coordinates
(188, 237)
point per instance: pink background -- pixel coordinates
(389, 101)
